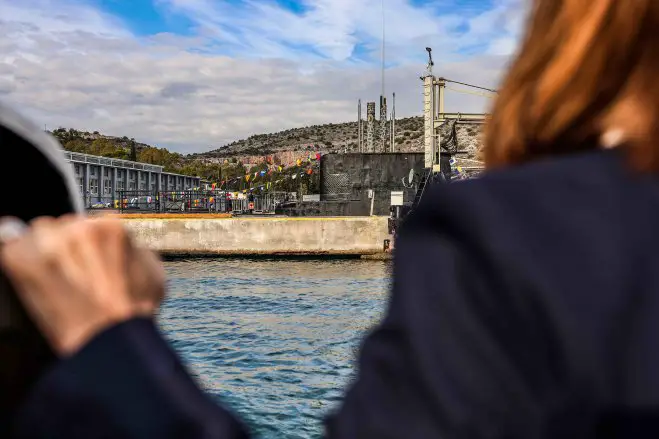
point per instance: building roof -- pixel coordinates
(78, 157)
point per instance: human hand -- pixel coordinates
(77, 277)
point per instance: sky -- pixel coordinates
(193, 75)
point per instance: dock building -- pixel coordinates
(101, 179)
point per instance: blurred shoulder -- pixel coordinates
(510, 200)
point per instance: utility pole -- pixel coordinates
(383, 99)
(383, 48)
(429, 112)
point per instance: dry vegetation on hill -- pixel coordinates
(331, 138)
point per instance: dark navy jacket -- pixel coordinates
(525, 304)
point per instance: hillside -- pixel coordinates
(331, 138)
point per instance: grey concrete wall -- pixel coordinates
(383, 173)
(262, 236)
(327, 208)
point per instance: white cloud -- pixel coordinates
(82, 68)
(334, 28)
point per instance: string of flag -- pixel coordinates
(307, 161)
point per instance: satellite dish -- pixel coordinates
(410, 179)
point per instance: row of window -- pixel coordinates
(121, 174)
(107, 186)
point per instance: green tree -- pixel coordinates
(103, 147)
(75, 145)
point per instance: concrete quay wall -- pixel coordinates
(261, 236)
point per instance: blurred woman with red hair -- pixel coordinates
(525, 303)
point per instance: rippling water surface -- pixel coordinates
(275, 340)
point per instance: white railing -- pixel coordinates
(78, 157)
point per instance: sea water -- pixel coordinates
(275, 341)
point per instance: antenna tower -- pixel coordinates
(383, 48)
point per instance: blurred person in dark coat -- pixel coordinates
(48, 190)
(525, 304)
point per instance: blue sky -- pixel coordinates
(147, 17)
(355, 39)
(196, 74)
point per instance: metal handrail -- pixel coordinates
(426, 184)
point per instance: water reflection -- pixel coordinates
(275, 339)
